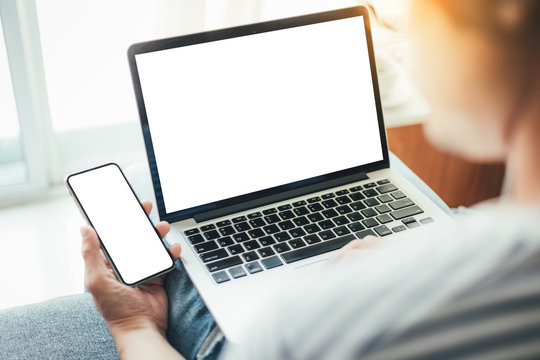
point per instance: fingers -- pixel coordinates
(163, 228)
(357, 244)
(175, 251)
(95, 267)
(147, 205)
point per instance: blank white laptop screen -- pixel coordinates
(244, 114)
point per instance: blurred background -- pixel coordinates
(66, 103)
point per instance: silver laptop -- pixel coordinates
(267, 150)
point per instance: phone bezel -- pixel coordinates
(83, 212)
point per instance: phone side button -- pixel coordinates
(223, 264)
(221, 277)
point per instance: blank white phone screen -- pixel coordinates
(245, 114)
(124, 229)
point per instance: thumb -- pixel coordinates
(94, 261)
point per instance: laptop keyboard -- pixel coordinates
(263, 240)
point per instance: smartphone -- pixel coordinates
(128, 238)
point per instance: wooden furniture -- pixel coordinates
(456, 181)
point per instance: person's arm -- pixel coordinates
(136, 317)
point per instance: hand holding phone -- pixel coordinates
(128, 238)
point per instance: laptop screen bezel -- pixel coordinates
(246, 30)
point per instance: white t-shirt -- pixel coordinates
(468, 289)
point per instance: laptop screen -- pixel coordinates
(248, 113)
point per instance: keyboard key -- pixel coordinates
(286, 225)
(370, 193)
(398, 195)
(356, 226)
(411, 223)
(427, 220)
(369, 185)
(342, 230)
(369, 212)
(344, 209)
(269, 211)
(284, 207)
(312, 228)
(258, 222)
(243, 226)
(327, 235)
(371, 202)
(356, 188)
(250, 256)
(326, 224)
(254, 215)
(241, 237)
(301, 221)
(223, 264)
(315, 217)
(298, 232)
(386, 188)
(383, 219)
(383, 209)
(370, 222)
(251, 245)
(299, 203)
(383, 181)
(362, 234)
(328, 196)
(286, 215)
(254, 267)
(317, 249)
(272, 219)
(297, 243)
(313, 199)
(330, 213)
(266, 252)
(235, 249)
(239, 219)
(191, 232)
(256, 233)
(329, 203)
(341, 220)
(358, 205)
(282, 236)
(214, 255)
(196, 239)
(271, 263)
(400, 204)
(312, 239)
(227, 230)
(382, 230)
(342, 192)
(342, 200)
(223, 223)
(271, 229)
(221, 277)
(315, 207)
(403, 213)
(357, 196)
(301, 211)
(211, 235)
(267, 240)
(206, 246)
(237, 272)
(225, 241)
(399, 228)
(281, 247)
(208, 227)
(385, 198)
(354, 216)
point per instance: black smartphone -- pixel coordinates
(128, 238)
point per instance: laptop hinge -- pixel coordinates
(250, 204)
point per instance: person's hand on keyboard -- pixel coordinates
(130, 312)
(354, 246)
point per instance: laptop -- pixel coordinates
(267, 150)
